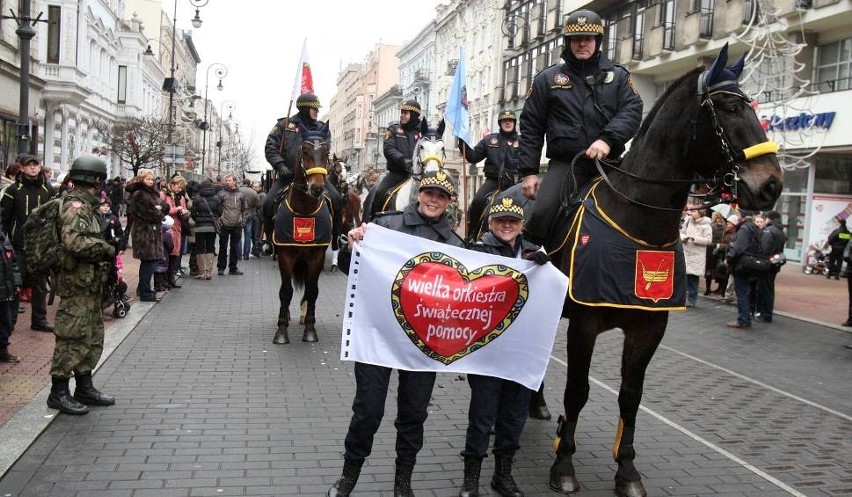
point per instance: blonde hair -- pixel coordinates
(144, 173)
(179, 180)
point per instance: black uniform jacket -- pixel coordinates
(287, 130)
(410, 222)
(399, 145)
(490, 244)
(574, 113)
(494, 148)
(19, 200)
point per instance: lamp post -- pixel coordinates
(227, 106)
(25, 33)
(220, 71)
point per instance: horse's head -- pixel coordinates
(429, 153)
(737, 153)
(339, 173)
(313, 162)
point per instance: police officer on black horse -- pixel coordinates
(587, 105)
(282, 151)
(400, 140)
(497, 149)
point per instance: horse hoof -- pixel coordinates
(281, 338)
(563, 483)
(624, 488)
(310, 336)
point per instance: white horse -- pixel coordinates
(429, 155)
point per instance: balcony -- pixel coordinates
(637, 48)
(705, 23)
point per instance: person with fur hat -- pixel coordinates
(399, 143)
(588, 106)
(496, 402)
(427, 218)
(499, 150)
(30, 190)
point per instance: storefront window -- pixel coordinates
(833, 174)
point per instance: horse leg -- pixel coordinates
(285, 294)
(309, 302)
(640, 343)
(582, 334)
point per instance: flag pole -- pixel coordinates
(464, 188)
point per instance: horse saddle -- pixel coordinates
(607, 267)
(302, 229)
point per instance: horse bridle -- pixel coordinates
(440, 159)
(723, 188)
(314, 170)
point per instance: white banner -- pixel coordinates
(419, 305)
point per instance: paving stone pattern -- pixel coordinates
(209, 406)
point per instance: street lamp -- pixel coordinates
(227, 106)
(25, 33)
(196, 21)
(220, 71)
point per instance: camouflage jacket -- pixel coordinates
(87, 256)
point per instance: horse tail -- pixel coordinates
(300, 274)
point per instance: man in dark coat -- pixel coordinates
(588, 105)
(31, 189)
(746, 239)
(772, 242)
(427, 219)
(497, 149)
(837, 240)
(400, 141)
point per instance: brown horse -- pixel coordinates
(339, 177)
(703, 130)
(300, 254)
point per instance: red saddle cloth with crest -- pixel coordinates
(313, 229)
(610, 268)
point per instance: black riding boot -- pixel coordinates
(402, 480)
(344, 485)
(470, 485)
(502, 482)
(538, 406)
(88, 394)
(60, 398)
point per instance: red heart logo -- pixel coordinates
(584, 239)
(448, 312)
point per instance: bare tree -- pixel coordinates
(137, 141)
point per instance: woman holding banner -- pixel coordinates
(425, 218)
(494, 401)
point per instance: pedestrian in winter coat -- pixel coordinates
(696, 234)
(235, 211)
(161, 269)
(746, 239)
(146, 230)
(10, 279)
(772, 242)
(837, 240)
(205, 210)
(717, 223)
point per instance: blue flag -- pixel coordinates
(458, 113)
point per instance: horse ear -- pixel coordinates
(738, 66)
(718, 66)
(424, 127)
(441, 126)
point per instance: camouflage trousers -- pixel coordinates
(79, 330)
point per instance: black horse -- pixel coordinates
(702, 127)
(301, 250)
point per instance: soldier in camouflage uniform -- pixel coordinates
(87, 258)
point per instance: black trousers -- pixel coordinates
(550, 194)
(391, 179)
(146, 273)
(368, 408)
(38, 301)
(229, 247)
(502, 404)
(766, 293)
(477, 206)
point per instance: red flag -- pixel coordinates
(304, 82)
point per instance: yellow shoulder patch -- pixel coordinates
(529, 92)
(632, 85)
(388, 134)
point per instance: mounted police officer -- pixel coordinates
(497, 149)
(87, 259)
(283, 147)
(587, 105)
(427, 218)
(400, 141)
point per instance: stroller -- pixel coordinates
(115, 291)
(817, 260)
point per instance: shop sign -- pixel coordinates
(796, 123)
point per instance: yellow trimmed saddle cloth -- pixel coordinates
(302, 230)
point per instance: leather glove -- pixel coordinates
(284, 174)
(540, 257)
(409, 164)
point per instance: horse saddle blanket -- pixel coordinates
(610, 268)
(294, 229)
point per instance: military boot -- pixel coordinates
(402, 480)
(88, 394)
(60, 398)
(344, 485)
(502, 482)
(470, 485)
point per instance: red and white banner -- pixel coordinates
(419, 305)
(304, 82)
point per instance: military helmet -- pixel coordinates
(583, 23)
(507, 114)
(307, 101)
(411, 106)
(88, 169)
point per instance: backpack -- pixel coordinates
(42, 239)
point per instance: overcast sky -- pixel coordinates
(260, 42)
